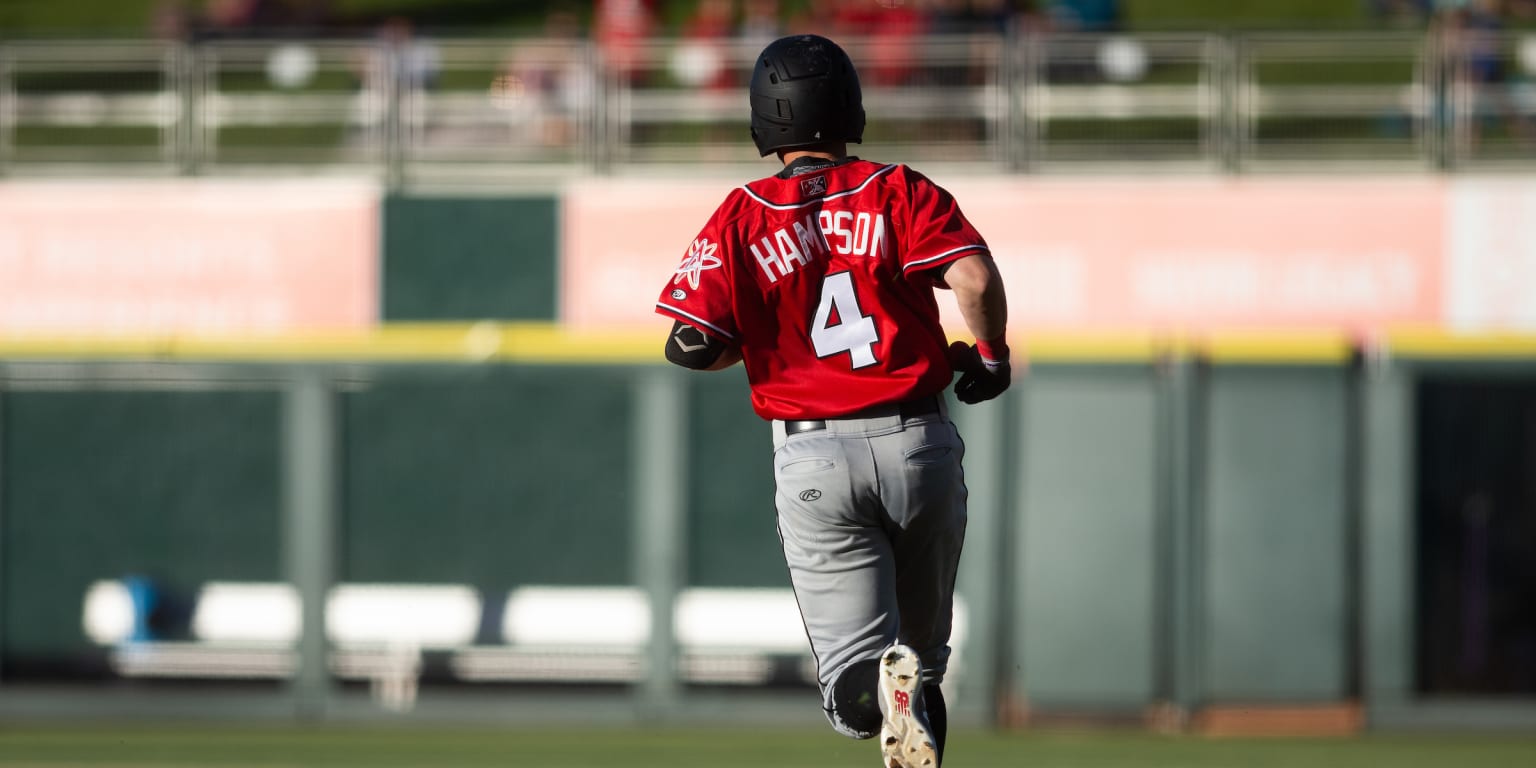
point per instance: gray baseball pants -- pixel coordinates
(872, 514)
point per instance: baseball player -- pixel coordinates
(822, 279)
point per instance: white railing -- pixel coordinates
(456, 109)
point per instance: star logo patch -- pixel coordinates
(700, 258)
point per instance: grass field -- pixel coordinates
(375, 747)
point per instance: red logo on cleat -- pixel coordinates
(904, 702)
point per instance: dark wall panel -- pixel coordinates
(1275, 525)
(179, 486)
(470, 258)
(733, 530)
(491, 476)
(1087, 537)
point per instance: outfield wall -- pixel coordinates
(1168, 509)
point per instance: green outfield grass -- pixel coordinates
(380, 747)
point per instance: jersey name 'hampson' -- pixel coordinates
(818, 235)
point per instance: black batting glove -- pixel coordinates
(981, 378)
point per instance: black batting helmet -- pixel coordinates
(805, 91)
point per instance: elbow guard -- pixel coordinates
(692, 348)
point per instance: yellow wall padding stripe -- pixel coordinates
(553, 344)
(1068, 348)
(449, 342)
(1444, 345)
(1270, 348)
(1276, 348)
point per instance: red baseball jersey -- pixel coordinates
(822, 279)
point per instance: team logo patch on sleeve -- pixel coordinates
(815, 186)
(700, 258)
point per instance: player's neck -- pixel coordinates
(832, 153)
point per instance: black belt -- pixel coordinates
(909, 409)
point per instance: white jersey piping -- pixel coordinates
(833, 196)
(696, 320)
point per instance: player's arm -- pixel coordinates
(692, 348)
(978, 289)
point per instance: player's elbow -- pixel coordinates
(974, 275)
(978, 289)
(693, 361)
(691, 348)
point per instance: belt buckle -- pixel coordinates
(798, 426)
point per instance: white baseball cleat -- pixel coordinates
(906, 741)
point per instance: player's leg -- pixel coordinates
(938, 715)
(856, 697)
(923, 487)
(842, 569)
(852, 701)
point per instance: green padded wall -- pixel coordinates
(1275, 525)
(494, 476)
(1475, 521)
(180, 486)
(1086, 537)
(469, 258)
(733, 538)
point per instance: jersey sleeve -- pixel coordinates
(699, 291)
(937, 232)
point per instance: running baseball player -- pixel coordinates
(822, 279)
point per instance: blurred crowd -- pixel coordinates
(1473, 45)
(617, 21)
(1417, 14)
(613, 20)
(889, 26)
(708, 41)
(620, 28)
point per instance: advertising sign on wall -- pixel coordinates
(1175, 255)
(620, 240)
(1219, 254)
(187, 256)
(1491, 256)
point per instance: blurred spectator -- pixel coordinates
(812, 19)
(1088, 17)
(306, 17)
(258, 18)
(621, 28)
(1401, 14)
(1002, 16)
(891, 27)
(1482, 27)
(899, 28)
(171, 20)
(949, 17)
(760, 24)
(702, 58)
(416, 60)
(1084, 15)
(399, 62)
(228, 18)
(856, 17)
(1472, 33)
(544, 86)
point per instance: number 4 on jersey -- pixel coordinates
(849, 329)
